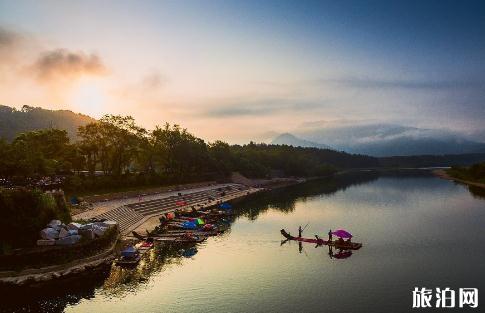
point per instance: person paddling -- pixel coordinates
(300, 230)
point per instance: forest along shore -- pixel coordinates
(444, 175)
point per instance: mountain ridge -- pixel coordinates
(14, 121)
(383, 140)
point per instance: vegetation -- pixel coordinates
(14, 122)
(431, 160)
(25, 212)
(474, 173)
(116, 152)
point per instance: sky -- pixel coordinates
(248, 70)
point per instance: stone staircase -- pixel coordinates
(130, 215)
(124, 216)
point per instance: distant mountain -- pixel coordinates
(383, 140)
(291, 140)
(14, 122)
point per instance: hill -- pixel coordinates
(291, 140)
(14, 122)
(383, 140)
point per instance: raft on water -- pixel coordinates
(344, 245)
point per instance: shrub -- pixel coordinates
(25, 212)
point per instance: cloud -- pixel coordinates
(64, 64)
(370, 83)
(8, 38)
(238, 108)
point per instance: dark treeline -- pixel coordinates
(474, 173)
(116, 152)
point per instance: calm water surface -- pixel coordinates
(417, 230)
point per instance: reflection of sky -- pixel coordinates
(263, 66)
(416, 231)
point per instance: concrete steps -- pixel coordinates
(131, 214)
(124, 216)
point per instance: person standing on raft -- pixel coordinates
(300, 231)
(330, 235)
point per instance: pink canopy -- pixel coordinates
(342, 233)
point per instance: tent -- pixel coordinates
(225, 206)
(189, 225)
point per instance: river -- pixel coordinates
(417, 231)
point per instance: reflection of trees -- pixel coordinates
(123, 280)
(284, 199)
(115, 281)
(477, 192)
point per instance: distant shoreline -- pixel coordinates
(442, 174)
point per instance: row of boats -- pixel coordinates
(179, 228)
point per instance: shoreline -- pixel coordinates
(443, 175)
(53, 272)
(49, 273)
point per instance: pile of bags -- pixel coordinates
(58, 233)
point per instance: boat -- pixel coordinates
(129, 257)
(145, 245)
(181, 239)
(345, 245)
(302, 239)
(339, 244)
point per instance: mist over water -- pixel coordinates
(417, 231)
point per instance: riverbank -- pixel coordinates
(39, 275)
(201, 196)
(444, 175)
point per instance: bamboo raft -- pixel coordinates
(334, 243)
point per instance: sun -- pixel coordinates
(88, 97)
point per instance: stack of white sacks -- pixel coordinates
(57, 233)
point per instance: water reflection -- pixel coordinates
(284, 199)
(333, 253)
(378, 204)
(477, 192)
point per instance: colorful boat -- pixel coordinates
(339, 244)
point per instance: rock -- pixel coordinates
(49, 233)
(109, 224)
(69, 240)
(54, 223)
(73, 232)
(99, 230)
(74, 226)
(46, 242)
(86, 233)
(87, 226)
(63, 233)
